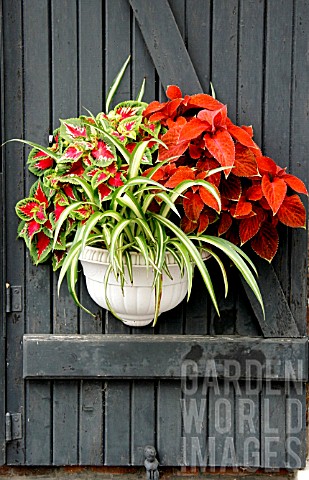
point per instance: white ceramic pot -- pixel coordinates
(136, 304)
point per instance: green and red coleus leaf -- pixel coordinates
(27, 208)
(39, 162)
(73, 128)
(104, 153)
(40, 247)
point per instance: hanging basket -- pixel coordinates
(134, 304)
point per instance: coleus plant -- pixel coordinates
(256, 194)
(102, 183)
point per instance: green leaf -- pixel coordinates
(141, 91)
(64, 215)
(137, 156)
(34, 145)
(115, 84)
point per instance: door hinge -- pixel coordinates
(13, 426)
(13, 298)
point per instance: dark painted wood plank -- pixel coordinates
(171, 58)
(299, 159)
(14, 171)
(64, 40)
(117, 424)
(197, 309)
(247, 423)
(142, 419)
(224, 53)
(278, 321)
(198, 20)
(273, 425)
(65, 423)
(38, 285)
(296, 442)
(221, 433)
(158, 356)
(91, 429)
(169, 431)
(194, 408)
(39, 420)
(117, 394)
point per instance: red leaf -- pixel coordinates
(222, 147)
(243, 208)
(44, 164)
(193, 205)
(58, 211)
(203, 223)
(245, 162)
(292, 212)
(265, 243)
(209, 199)
(175, 148)
(173, 92)
(225, 223)
(241, 135)
(295, 183)
(231, 188)
(73, 153)
(193, 129)
(215, 118)
(182, 173)
(254, 193)
(249, 227)
(274, 192)
(68, 190)
(40, 195)
(42, 244)
(33, 227)
(152, 108)
(29, 209)
(76, 169)
(103, 190)
(102, 152)
(116, 180)
(266, 166)
(203, 100)
(195, 152)
(187, 225)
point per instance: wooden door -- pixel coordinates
(92, 391)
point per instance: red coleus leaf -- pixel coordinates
(173, 92)
(68, 190)
(241, 134)
(153, 107)
(104, 191)
(209, 199)
(202, 223)
(40, 195)
(266, 166)
(102, 152)
(245, 162)
(116, 180)
(75, 131)
(265, 243)
(182, 173)
(58, 258)
(225, 223)
(215, 118)
(254, 193)
(27, 208)
(175, 147)
(33, 227)
(274, 192)
(243, 208)
(292, 212)
(294, 183)
(205, 166)
(187, 225)
(44, 164)
(76, 169)
(73, 153)
(58, 211)
(249, 227)
(43, 242)
(202, 100)
(222, 147)
(193, 205)
(195, 152)
(193, 129)
(231, 188)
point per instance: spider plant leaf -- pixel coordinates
(143, 224)
(160, 237)
(187, 263)
(64, 215)
(236, 257)
(137, 156)
(115, 240)
(129, 201)
(89, 226)
(158, 296)
(183, 186)
(143, 248)
(129, 265)
(72, 277)
(72, 253)
(141, 92)
(194, 254)
(48, 152)
(223, 271)
(87, 189)
(213, 92)
(115, 84)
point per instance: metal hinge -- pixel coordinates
(13, 298)
(13, 426)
